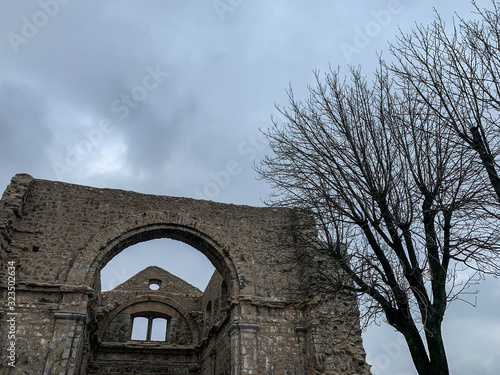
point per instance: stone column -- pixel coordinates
(244, 351)
(66, 346)
(306, 340)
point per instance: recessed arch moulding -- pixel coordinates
(263, 318)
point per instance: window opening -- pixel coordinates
(159, 329)
(140, 328)
(149, 328)
(208, 316)
(224, 294)
(154, 284)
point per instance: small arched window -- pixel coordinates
(224, 298)
(139, 328)
(224, 295)
(149, 327)
(208, 317)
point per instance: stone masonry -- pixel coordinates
(258, 314)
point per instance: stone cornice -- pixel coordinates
(309, 326)
(243, 326)
(70, 315)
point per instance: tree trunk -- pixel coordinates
(418, 355)
(439, 363)
(416, 346)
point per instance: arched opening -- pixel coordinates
(224, 294)
(112, 241)
(208, 317)
(158, 329)
(176, 257)
(140, 328)
(159, 288)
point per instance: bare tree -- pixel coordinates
(394, 195)
(455, 72)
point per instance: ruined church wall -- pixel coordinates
(59, 220)
(60, 235)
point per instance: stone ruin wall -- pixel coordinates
(249, 320)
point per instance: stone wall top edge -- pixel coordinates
(131, 193)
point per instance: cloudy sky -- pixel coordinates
(166, 97)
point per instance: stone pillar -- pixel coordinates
(244, 349)
(66, 346)
(307, 353)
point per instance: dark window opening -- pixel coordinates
(224, 295)
(208, 317)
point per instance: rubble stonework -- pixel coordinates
(251, 319)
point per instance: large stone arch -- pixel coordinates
(146, 226)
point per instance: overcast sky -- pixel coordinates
(166, 97)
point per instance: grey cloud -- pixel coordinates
(24, 125)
